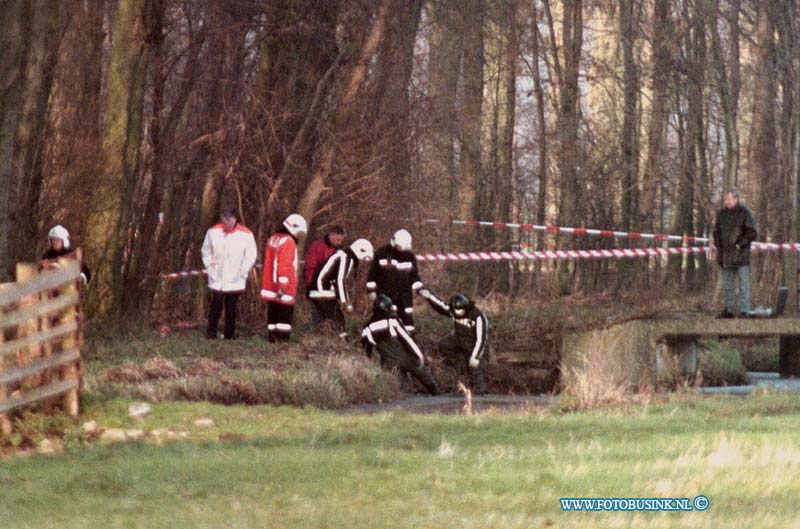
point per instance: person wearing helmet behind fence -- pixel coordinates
(229, 252)
(395, 346)
(59, 247)
(328, 292)
(470, 339)
(279, 279)
(394, 273)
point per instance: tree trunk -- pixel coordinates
(107, 234)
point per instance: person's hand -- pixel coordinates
(474, 362)
(372, 295)
(280, 292)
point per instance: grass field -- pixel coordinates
(261, 466)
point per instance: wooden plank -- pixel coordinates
(31, 397)
(16, 373)
(44, 308)
(70, 326)
(47, 280)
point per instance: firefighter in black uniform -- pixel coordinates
(396, 348)
(470, 339)
(329, 291)
(394, 273)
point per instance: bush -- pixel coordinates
(761, 355)
(318, 371)
(720, 364)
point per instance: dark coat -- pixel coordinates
(734, 230)
(52, 255)
(394, 273)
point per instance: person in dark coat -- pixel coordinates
(396, 348)
(394, 273)
(59, 247)
(734, 231)
(469, 343)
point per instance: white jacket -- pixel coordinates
(228, 257)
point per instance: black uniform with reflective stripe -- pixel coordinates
(471, 331)
(394, 273)
(329, 280)
(397, 349)
(470, 339)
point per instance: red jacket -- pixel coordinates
(318, 253)
(280, 270)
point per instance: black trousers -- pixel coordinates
(279, 321)
(456, 354)
(220, 300)
(329, 313)
(394, 356)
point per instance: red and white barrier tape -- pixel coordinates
(625, 253)
(562, 229)
(546, 255)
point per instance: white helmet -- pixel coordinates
(401, 240)
(59, 232)
(296, 224)
(363, 249)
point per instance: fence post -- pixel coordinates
(71, 399)
(26, 355)
(5, 422)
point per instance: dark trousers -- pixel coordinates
(329, 313)
(456, 354)
(220, 300)
(279, 321)
(394, 356)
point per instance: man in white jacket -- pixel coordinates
(229, 253)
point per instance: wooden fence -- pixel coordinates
(41, 340)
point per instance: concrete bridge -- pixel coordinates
(658, 352)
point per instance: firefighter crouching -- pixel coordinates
(469, 342)
(395, 346)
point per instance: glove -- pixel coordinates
(83, 277)
(474, 363)
(425, 293)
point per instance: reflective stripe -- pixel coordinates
(285, 327)
(268, 294)
(383, 262)
(380, 325)
(403, 333)
(287, 297)
(283, 280)
(404, 266)
(322, 294)
(371, 285)
(409, 310)
(477, 351)
(417, 285)
(270, 326)
(410, 328)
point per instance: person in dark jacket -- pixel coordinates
(394, 273)
(395, 346)
(59, 247)
(328, 293)
(469, 342)
(317, 255)
(734, 231)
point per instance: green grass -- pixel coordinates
(288, 467)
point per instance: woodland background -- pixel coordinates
(132, 122)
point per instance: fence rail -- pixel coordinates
(41, 339)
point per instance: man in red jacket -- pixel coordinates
(317, 255)
(279, 279)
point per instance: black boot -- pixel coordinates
(726, 314)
